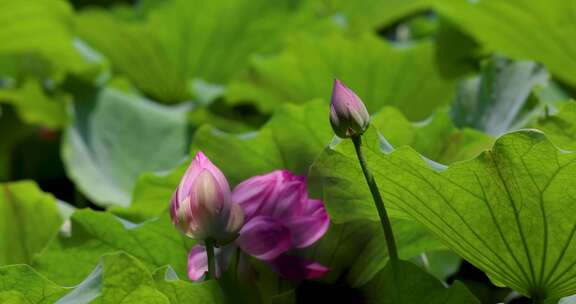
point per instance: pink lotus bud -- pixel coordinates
(348, 115)
(202, 207)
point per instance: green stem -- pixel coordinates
(384, 219)
(210, 254)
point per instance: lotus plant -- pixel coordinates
(202, 206)
(350, 119)
(280, 219)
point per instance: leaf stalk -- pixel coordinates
(209, 244)
(384, 219)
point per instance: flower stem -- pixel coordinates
(210, 254)
(384, 219)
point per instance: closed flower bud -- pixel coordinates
(202, 206)
(348, 115)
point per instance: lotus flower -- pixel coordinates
(202, 207)
(348, 115)
(280, 218)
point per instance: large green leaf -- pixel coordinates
(21, 284)
(411, 284)
(213, 40)
(114, 137)
(134, 53)
(181, 40)
(561, 128)
(291, 140)
(183, 291)
(156, 243)
(30, 219)
(380, 73)
(496, 101)
(533, 29)
(152, 194)
(362, 15)
(436, 138)
(509, 211)
(37, 27)
(337, 170)
(118, 278)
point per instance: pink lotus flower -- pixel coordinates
(280, 218)
(202, 207)
(348, 114)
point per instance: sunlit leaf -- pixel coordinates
(156, 243)
(380, 73)
(362, 15)
(561, 128)
(117, 278)
(337, 171)
(38, 27)
(21, 284)
(533, 29)
(181, 40)
(29, 220)
(508, 211)
(436, 138)
(291, 140)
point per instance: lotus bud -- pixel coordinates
(348, 115)
(202, 207)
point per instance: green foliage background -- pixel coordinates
(472, 140)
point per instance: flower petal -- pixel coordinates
(291, 200)
(197, 263)
(257, 191)
(309, 227)
(236, 219)
(314, 206)
(298, 268)
(198, 164)
(264, 237)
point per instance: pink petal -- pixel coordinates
(255, 192)
(297, 268)
(291, 200)
(314, 206)
(305, 230)
(198, 164)
(346, 102)
(197, 263)
(264, 237)
(278, 193)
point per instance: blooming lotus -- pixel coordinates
(348, 115)
(202, 206)
(280, 219)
